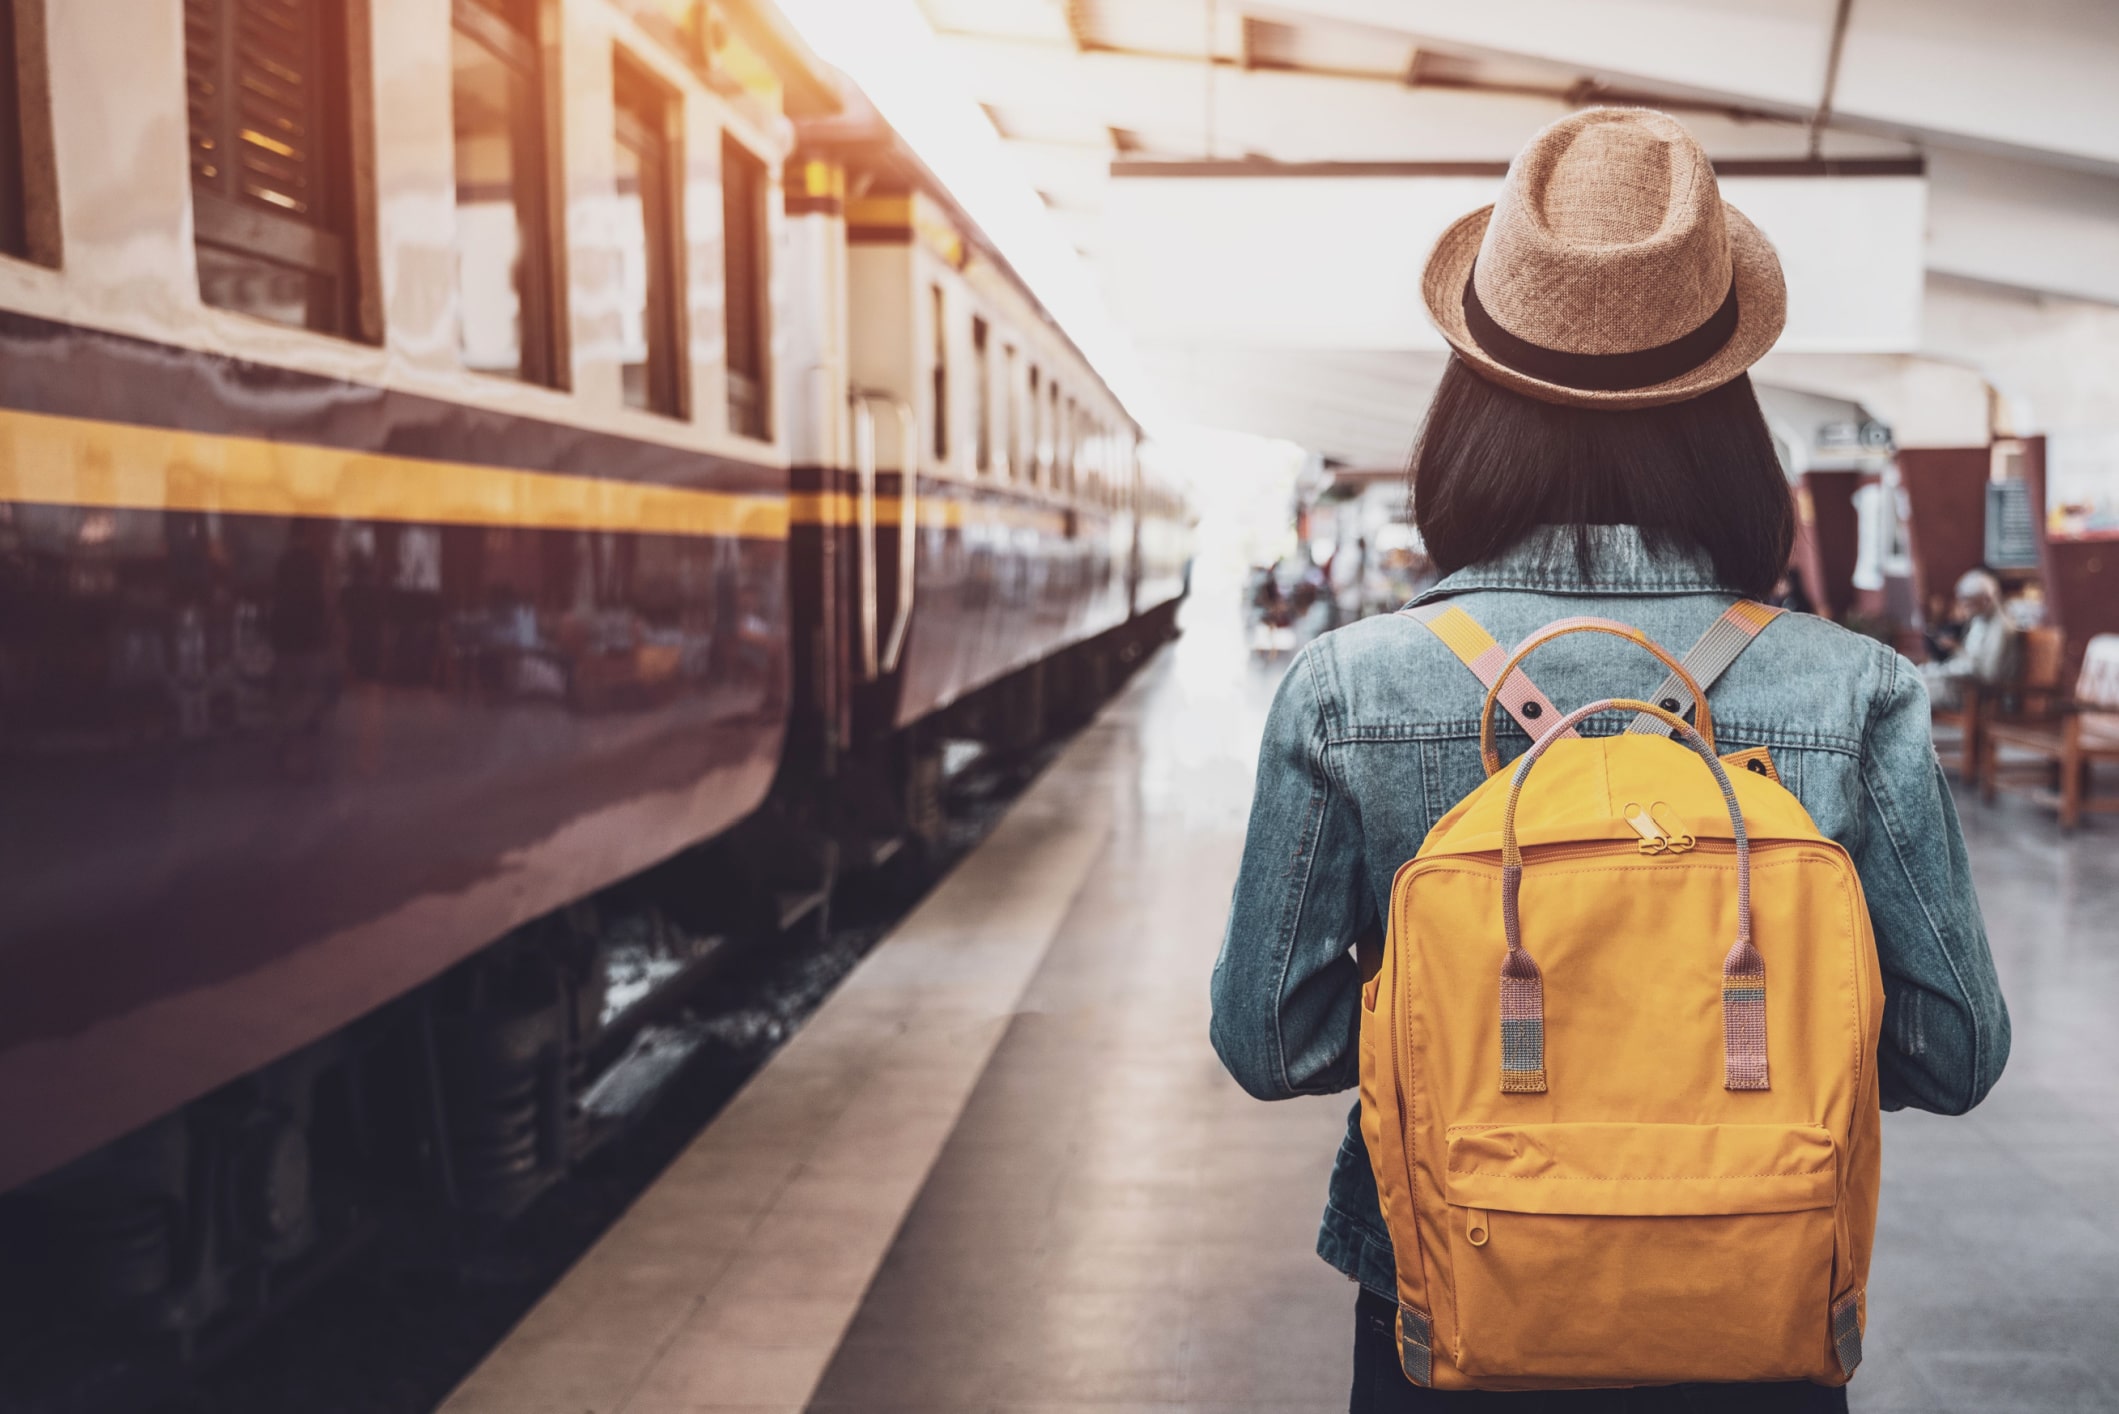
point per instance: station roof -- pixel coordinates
(1312, 142)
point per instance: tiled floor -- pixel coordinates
(1997, 1265)
(1094, 1218)
(1113, 1224)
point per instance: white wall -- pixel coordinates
(1334, 262)
(2055, 362)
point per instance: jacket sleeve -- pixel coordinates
(1286, 989)
(1946, 1029)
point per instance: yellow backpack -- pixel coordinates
(1618, 1074)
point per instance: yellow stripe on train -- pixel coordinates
(116, 466)
(842, 508)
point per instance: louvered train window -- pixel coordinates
(1034, 431)
(14, 217)
(938, 316)
(269, 171)
(982, 391)
(29, 198)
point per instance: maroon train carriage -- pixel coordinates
(376, 587)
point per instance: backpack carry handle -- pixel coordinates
(1491, 755)
(1523, 985)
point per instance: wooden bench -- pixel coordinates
(2063, 750)
(1961, 735)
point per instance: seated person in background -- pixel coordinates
(1986, 649)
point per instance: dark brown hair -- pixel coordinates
(1490, 465)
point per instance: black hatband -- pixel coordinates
(1601, 373)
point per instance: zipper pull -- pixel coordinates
(1477, 1226)
(1651, 833)
(1680, 841)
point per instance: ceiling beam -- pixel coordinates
(1081, 26)
(2032, 78)
(1823, 114)
(1301, 116)
(1728, 167)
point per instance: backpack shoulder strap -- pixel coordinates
(1723, 642)
(1475, 648)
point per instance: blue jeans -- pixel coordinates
(1380, 1387)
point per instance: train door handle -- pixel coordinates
(908, 530)
(864, 463)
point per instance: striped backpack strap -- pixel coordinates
(1476, 649)
(1725, 639)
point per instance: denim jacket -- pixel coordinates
(1375, 733)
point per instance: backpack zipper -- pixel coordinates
(1401, 1066)
(1657, 837)
(1571, 849)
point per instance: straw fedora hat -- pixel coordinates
(1610, 274)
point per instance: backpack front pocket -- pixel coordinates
(1642, 1253)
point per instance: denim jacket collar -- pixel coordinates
(1621, 562)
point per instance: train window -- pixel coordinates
(14, 216)
(29, 217)
(1089, 455)
(743, 197)
(1085, 456)
(1093, 455)
(982, 380)
(504, 270)
(1084, 446)
(938, 316)
(1048, 449)
(1010, 423)
(1034, 432)
(14, 199)
(271, 176)
(1065, 478)
(652, 362)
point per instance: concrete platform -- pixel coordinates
(1001, 1170)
